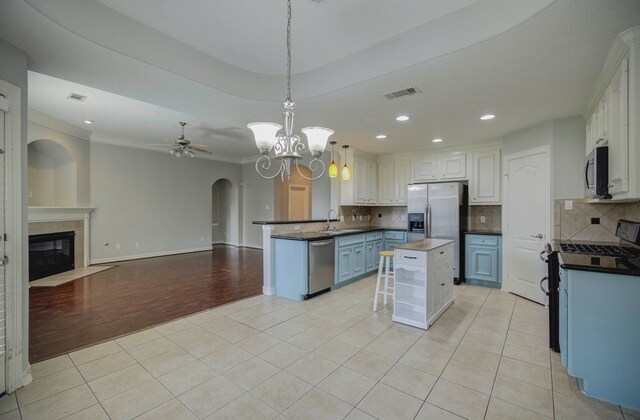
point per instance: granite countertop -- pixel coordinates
(482, 232)
(309, 236)
(425, 244)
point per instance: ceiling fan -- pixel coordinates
(183, 147)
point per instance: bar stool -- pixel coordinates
(385, 264)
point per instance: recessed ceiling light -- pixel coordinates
(381, 136)
(487, 117)
(437, 140)
(88, 121)
(402, 118)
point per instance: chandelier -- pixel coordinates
(287, 146)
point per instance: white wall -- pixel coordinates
(152, 198)
(566, 137)
(569, 136)
(13, 69)
(76, 146)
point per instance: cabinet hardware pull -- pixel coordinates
(441, 284)
(441, 252)
(410, 258)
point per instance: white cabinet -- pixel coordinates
(484, 182)
(613, 116)
(617, 121)
(425, 168)
(423, 286)
(393, 177)
(361, 188)
(440, 167)
(453, 166)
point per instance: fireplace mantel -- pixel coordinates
(38, 214)
(55, 214)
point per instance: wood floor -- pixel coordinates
(136, 295)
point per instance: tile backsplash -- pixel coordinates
(591, 221)
(392, 216)
(492, 218)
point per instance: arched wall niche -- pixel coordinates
(225, 212)
(52, 174)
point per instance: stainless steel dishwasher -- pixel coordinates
(322, 270)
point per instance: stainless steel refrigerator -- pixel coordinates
(439, 210)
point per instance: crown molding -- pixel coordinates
(131, 144)
(56, 124)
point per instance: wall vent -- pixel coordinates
(76, 97)
(402, 92)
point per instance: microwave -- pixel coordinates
(596, 173)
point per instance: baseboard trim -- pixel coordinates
(149, 255)
(269, 291)
(26, 376)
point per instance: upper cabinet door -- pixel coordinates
(484, 183)
(617, 130)
(402, 179)
(360, 178)
(453, 166)
(425, 168)
(372, 181)
(386, 182)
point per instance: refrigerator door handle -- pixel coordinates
(428, 229)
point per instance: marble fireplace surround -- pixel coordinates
(63, 219)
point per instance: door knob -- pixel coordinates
(538, 236)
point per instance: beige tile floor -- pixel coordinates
(327, 358)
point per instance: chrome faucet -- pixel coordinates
(328, 226)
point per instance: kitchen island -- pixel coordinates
(423, 281)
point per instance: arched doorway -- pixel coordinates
(224, 213)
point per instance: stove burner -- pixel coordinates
(598, 250)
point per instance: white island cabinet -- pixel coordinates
(423, 281)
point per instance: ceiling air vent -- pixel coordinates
(76, 97)
(402, 92)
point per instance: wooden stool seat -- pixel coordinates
(384, 270)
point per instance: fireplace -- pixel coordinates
(51, 253)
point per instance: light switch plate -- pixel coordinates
(483, 219)
(568, 204)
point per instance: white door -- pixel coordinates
(3, 328)
(527, 216)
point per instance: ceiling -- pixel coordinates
(218, 65)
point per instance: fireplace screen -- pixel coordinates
(51, 253)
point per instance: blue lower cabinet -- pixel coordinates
(358, 260)
(483, 260)
(372, 249)
(599, 334)
(291, 273)
(344, 264)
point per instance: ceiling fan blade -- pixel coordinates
(201, 146)
(159, 144)
(201, 150)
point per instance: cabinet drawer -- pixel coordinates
(407, 257)
(374, 236)
(488, 240)
(350, 240)
(442, 253)
(394, 235)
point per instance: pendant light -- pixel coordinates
(333, 168)
(346, 173)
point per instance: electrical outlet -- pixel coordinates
(117, 246)
(202, 237)
(342, 218)
(137, 245)
(483, 219)
(361, 218)
(568, 204)
(267, 207)
(296, 227)
(30, 194)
